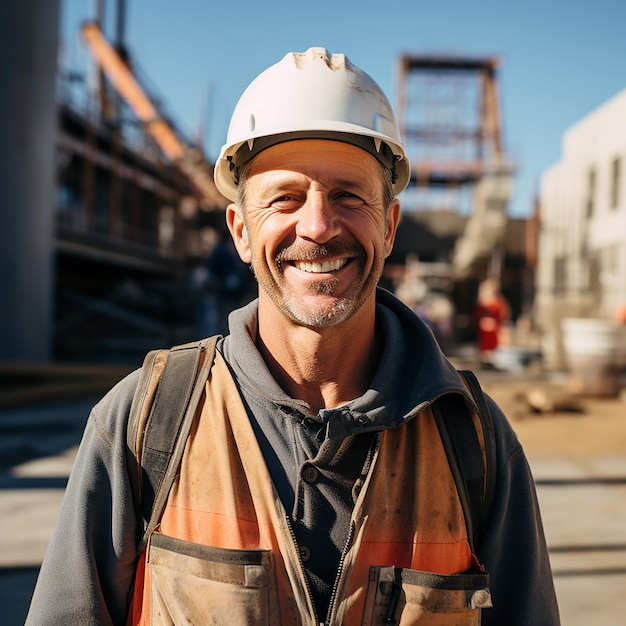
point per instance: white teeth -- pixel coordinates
(320, 268)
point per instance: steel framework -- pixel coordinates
(449, 117)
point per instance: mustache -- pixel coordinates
(304, 251)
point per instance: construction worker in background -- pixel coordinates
(314, 487)
(492, 313)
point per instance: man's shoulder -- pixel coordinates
(111, 412)
(508, 445)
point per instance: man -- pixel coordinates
(314, 487)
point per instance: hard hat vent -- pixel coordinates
(333, 61)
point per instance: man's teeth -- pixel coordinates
(320, 268)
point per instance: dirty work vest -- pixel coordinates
(224, 552)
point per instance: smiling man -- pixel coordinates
(314, 486)
(318, 206)
(316, 227)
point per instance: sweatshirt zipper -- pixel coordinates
(333, 597)
(307, 586)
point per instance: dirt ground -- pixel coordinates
(564, 425)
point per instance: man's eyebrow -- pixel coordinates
(350, 182)
(346, 182)
(288, 180)
(276, 186)
(366, 189)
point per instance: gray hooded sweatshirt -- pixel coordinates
(89, 568)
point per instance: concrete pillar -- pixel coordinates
(28, 130)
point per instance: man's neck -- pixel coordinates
(324, 367)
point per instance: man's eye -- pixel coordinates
(284, 202)
(349, 199)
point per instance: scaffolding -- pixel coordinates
(449, 117)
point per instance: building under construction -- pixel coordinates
(455, 210)
(137, 215)
(111, 212)
(119, 264)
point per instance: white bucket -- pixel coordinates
(595, 350)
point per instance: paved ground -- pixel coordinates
(577, 453)
(578, 459)
(37, 446)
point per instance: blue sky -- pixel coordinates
(560, 59)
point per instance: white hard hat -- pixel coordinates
(311, 95)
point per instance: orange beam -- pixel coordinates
(122, 79)
(120, 75)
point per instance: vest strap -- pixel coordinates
(181, 384)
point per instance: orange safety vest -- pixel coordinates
(224, 552)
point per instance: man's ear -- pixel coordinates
(239, 232)
(392, 221)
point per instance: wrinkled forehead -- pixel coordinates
(315, 149)
(328, 162)
(378, 150)
(319, 158)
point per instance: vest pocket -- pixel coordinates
(197, 584)
(404, 596)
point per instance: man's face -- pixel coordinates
(315, 229)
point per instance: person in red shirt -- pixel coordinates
(492, 312)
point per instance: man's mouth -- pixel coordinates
(323, 267)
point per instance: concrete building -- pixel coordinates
(581, 268)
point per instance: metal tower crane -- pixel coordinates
(450, 120)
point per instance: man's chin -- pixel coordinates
(316, 314)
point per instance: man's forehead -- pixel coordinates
(316, 156)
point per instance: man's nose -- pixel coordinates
(317, 219)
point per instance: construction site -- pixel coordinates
(135, 219)
(114, 243)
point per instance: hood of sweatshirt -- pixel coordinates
(412, 372)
